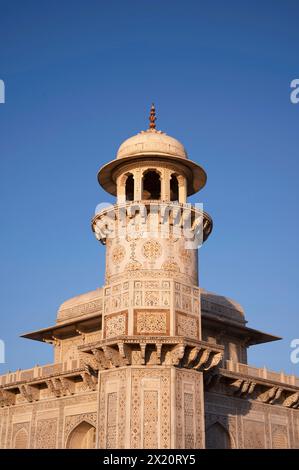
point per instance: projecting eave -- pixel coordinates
(67, 329)
(251, 335)
(196, 179)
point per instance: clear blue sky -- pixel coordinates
(80, 77)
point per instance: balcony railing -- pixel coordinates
(179, 218)
(38, 372)
(262, 373)
(48, 370)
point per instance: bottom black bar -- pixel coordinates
(136, 458)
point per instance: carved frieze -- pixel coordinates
(82, 309)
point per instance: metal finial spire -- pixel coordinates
(152, 117)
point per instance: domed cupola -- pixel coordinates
(154, 148)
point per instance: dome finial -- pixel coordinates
(152, 117)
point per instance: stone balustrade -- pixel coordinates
(262, 373)
(111, 222)
(38, 372)
(63, 367)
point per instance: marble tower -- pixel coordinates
(151, 359)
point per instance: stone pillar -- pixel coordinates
(182, 189)
(137, 174)
(121, 189)
(165, 185)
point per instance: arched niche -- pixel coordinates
(217, 437)
(151, 185)
(82, 436)
(174, 188)
(129, 187)
(21, 439)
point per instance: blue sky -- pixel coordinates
(80, 78)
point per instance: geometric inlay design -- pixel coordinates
(111, 435)
(150, 419)
(118, 254)
(188, 420)
(279, 437)
(186, 325)
(46, 432)
(254, 434)
(152, 249)
(115, 325)
(147, 322)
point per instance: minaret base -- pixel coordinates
(150, 408)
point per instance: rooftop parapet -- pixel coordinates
(37, 372)
(262, 373)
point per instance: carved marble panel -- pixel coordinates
(279, 435)
(254, 434)
(187, 325)
(150, 419)
(152, 249)
(148, 322)
(81, 309)
(111, 432)
(115, 324)
(46, 433)
(118, 254)
(189, 410)
(158, 404)
(112, 408)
